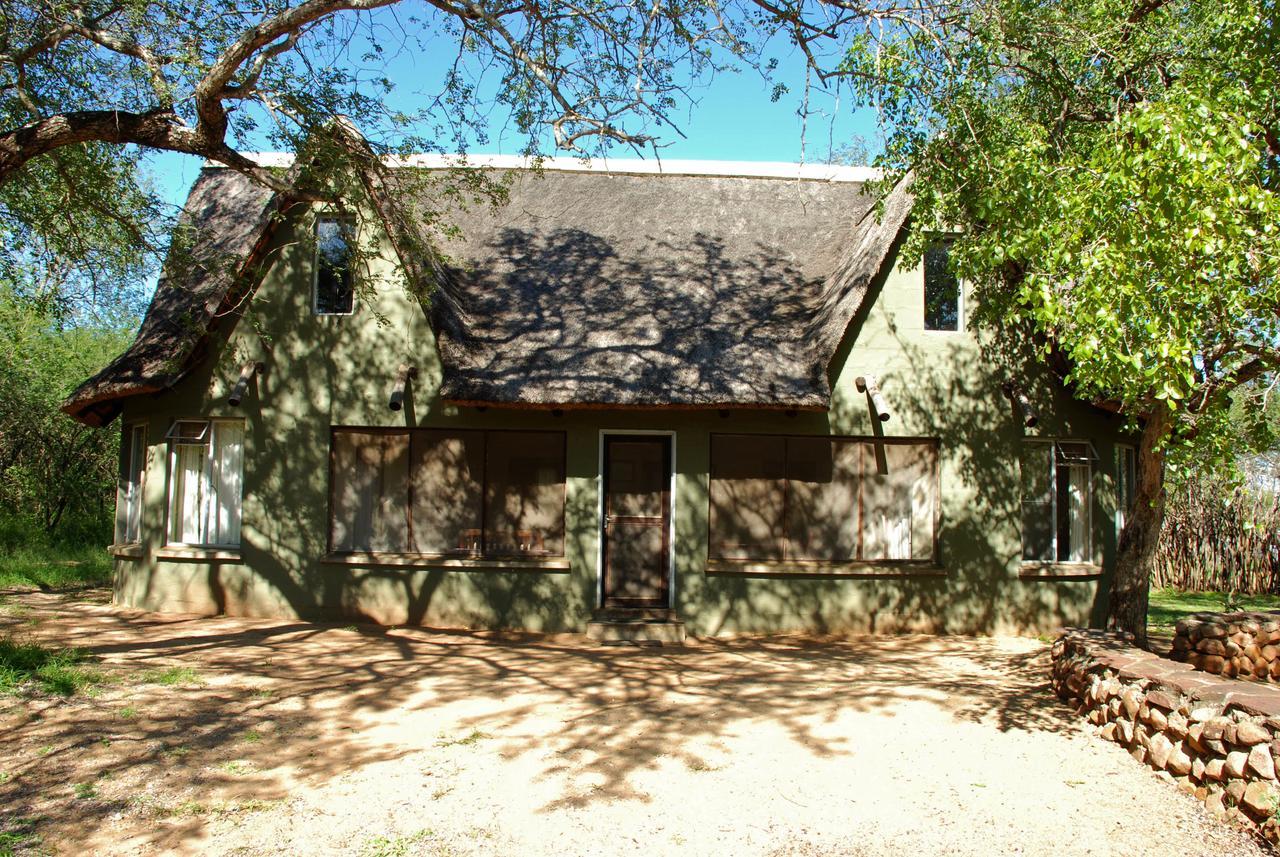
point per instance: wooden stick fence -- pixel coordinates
(1220, 539)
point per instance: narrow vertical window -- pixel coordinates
(205, 482)
(133, 464)
(941, 289)
(1126, 481)
(333, 289)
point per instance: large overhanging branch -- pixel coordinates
(158, 129)
(188, 110)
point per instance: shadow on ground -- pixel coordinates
(281, 704)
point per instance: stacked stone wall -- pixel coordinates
(1236, 645)
(1218, 739)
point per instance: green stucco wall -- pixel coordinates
(325, 371)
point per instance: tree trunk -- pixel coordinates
(1130, 586)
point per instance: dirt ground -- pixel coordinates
(291, 738)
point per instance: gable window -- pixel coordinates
(334, 294)
(1057, 495)
(823, 500)
(941, 289)
(1126, 482)
(441, 492)
(206, 462)
(133, 465)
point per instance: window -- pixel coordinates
(941, 289)
(1056, 498)
(446, 492)
(133, 466)
(333, 292)
(1126, 482)
(818, 499)
(206, 462)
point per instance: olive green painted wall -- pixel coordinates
(324, 371)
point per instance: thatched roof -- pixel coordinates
(226, 220)
(592, 289)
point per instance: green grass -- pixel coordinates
(54, 567)
(395, 846)
(1167, 606)
(22, 835)
(61, 671)
(468, 740)
(170, 676)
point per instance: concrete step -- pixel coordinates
(633, 614)
(650, 632)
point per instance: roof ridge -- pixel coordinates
(616, 166)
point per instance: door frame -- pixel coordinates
(671, 509)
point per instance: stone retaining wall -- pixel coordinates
(1237, 645)
(1218, 739)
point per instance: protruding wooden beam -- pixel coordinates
(247, 371)
(867, 384)
(404, 373)
(1019, 398)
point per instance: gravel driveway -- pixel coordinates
(286, 737)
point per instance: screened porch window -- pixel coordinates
(448, 492)
(1057, 495)
(206, 464)
(133, 465)
(817, 499)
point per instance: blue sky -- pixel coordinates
(733, 121)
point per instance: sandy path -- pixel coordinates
(317, 739)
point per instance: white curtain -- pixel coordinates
(186, 517)
(899, 485)
(226, 478)
(208, 488)
(1078, 511)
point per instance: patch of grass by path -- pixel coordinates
(1167, 606)
(54, 568)
(61, 671)
(469, 740)
(170, 676)
(395, 846)
(19, 835)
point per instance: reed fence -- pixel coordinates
(1220, 539)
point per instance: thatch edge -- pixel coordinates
(864, 256)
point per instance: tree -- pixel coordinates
(55, 474)
(87, 88)
(1112, 168)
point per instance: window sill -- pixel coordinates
(773, 568)
(196, 553)
(446, 561)
(1058, 570)
(127, 551)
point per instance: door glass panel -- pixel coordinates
(637, 477)
(636, 560)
